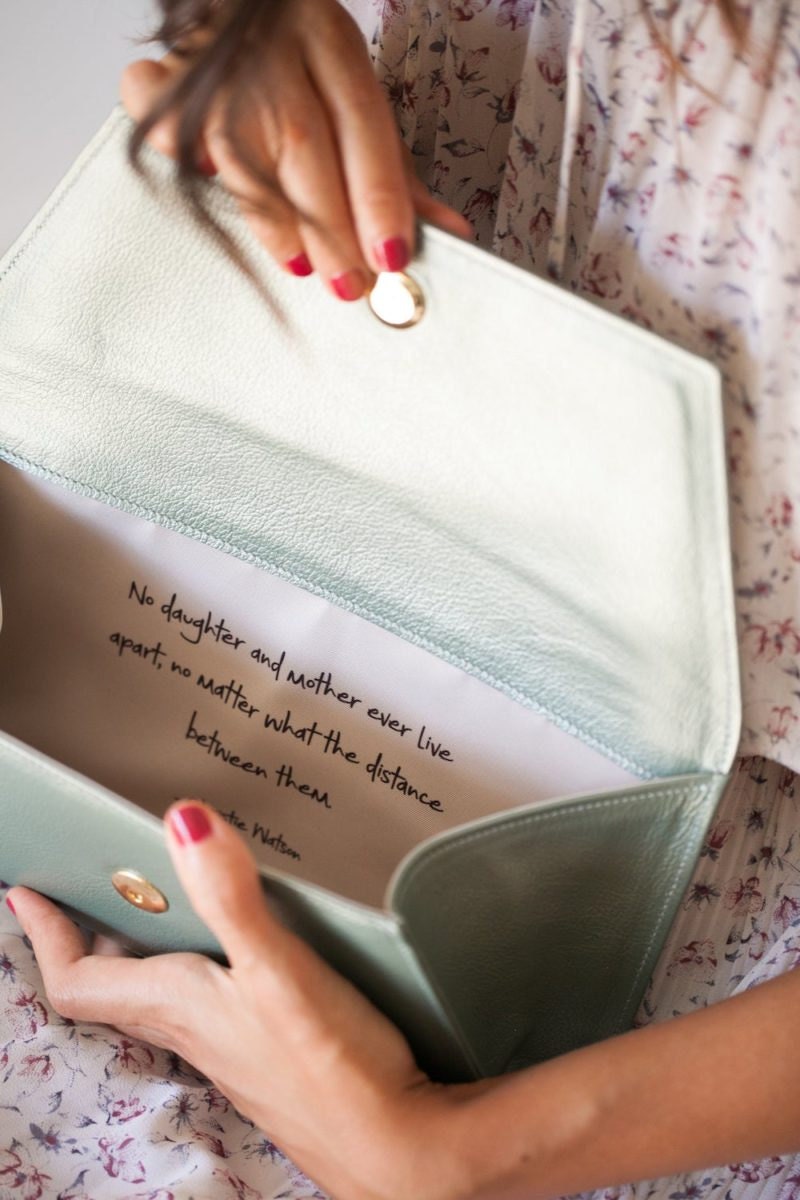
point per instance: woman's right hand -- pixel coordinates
(316, 118)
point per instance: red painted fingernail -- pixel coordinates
(205, 165)
(349, 285)
(300, 265)
(11, 905)
(392, 254)
(189, 823)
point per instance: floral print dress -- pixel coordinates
(639, 160)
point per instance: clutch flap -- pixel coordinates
(520, 483)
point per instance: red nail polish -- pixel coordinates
(300, 265)
(392, 254)
(10, 904)
(205, 166)
(349, 285)
(189, 823)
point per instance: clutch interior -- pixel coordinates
(163, 668)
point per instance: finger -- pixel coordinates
(51, 924)
(435, 211)
(220, 877)
(142, 86)
(439, 214)
(368, 142)
(271, 218)
(77, 985)
(141, 996)
(310, 176)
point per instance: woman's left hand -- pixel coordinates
(293, 1045)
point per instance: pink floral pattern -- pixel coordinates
(89, 1114)
(559, 129)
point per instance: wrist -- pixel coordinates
(462, 1142)
(521, 1135)
(419, 1149)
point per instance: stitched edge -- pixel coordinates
(548, 814)
(699, 792)
(69, 181)
(711, 393)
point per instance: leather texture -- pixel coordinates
(522, 484)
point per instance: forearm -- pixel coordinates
(719, 1085)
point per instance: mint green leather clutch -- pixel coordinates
(438, 615)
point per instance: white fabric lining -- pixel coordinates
(336, 749)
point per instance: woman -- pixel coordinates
(648, 160)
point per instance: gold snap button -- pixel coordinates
(397, 299)
(139, 892)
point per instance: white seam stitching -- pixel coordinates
(113, 121)
(562, 810)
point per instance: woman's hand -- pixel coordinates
(296, 1048)
(306, 1057)
(316, 119)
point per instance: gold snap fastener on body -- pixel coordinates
(139, 892)
(397, 299)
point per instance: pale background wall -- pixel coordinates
(60, 62)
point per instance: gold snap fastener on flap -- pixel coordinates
(397, 299)
(139, 892)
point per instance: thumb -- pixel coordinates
(439, 214)
(429, 208)
(142, 85)
(221, 880)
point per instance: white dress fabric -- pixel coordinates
(671, 197)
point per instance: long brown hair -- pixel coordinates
(220, 40)
(229, 34)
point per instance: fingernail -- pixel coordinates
(205, 165)
(11, 905)
(300, 265)
(392, 254)
(349, 285)
(189, 823)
